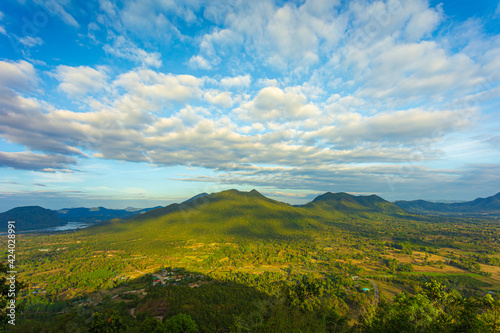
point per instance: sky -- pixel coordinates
(147, 102)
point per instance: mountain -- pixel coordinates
(247, 215)
(230, 212)
(350, 204)
(98, 214)
(489, 206)
(30, 217)
(196, 197)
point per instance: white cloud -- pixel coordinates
(2, 28)
(402, 73)
(17, 75)
(268, 82)
(241, 81)
(222, 99)
(31, 41)
(422, 23)
(296, 89)
(402, 127)
(56, 8)
(273, 104)
(27, 160)
(124, 48)
(276, 36)
(151, 84)
(80, 80)
(199, 62)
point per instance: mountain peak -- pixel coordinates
(196, 197)
(31, 217)
(349, 203)
(332, 196)
(253, 193)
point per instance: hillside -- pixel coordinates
(346, 204)
(489, 206)
(227, 213)
(248, 215)
(235, 248)
(30, 217)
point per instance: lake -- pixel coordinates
(67, 227)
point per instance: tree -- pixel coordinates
(8, 292)
(108, 321)
(181, 323)
(150, 325)
(491, 317)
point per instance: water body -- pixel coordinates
(67, 227)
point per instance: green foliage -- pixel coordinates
(108, 321)
(180, 323)
(434, 311)
(303, 293)
(151, 325)
(9, 306)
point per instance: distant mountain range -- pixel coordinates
(98, 214)
(30, 217)
(489, 206)
(252, 210)
(35, 217)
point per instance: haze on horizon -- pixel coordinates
(141, 103)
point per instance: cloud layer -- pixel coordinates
(312, 95)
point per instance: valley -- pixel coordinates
(236, 255)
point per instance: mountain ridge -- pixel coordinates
(489, 206)
(30, 217)
(232, 202)
(239, 214)
(98, 214)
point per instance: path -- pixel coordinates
(375, 287)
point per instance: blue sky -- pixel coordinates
(147, 102)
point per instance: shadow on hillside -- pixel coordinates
(213, 303)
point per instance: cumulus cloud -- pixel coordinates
(17, 75)
(138, 125)
(199, 62)
(222, 99)
(79, 80)
(312, 94)
(409, 126)
(240, 81)
(272, 103)
(151, 84)
(278, 36)
(413, 71)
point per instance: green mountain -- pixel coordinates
(30, 217)
(349, 204)
(246, 214)
(489, 206)
(230, 213)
